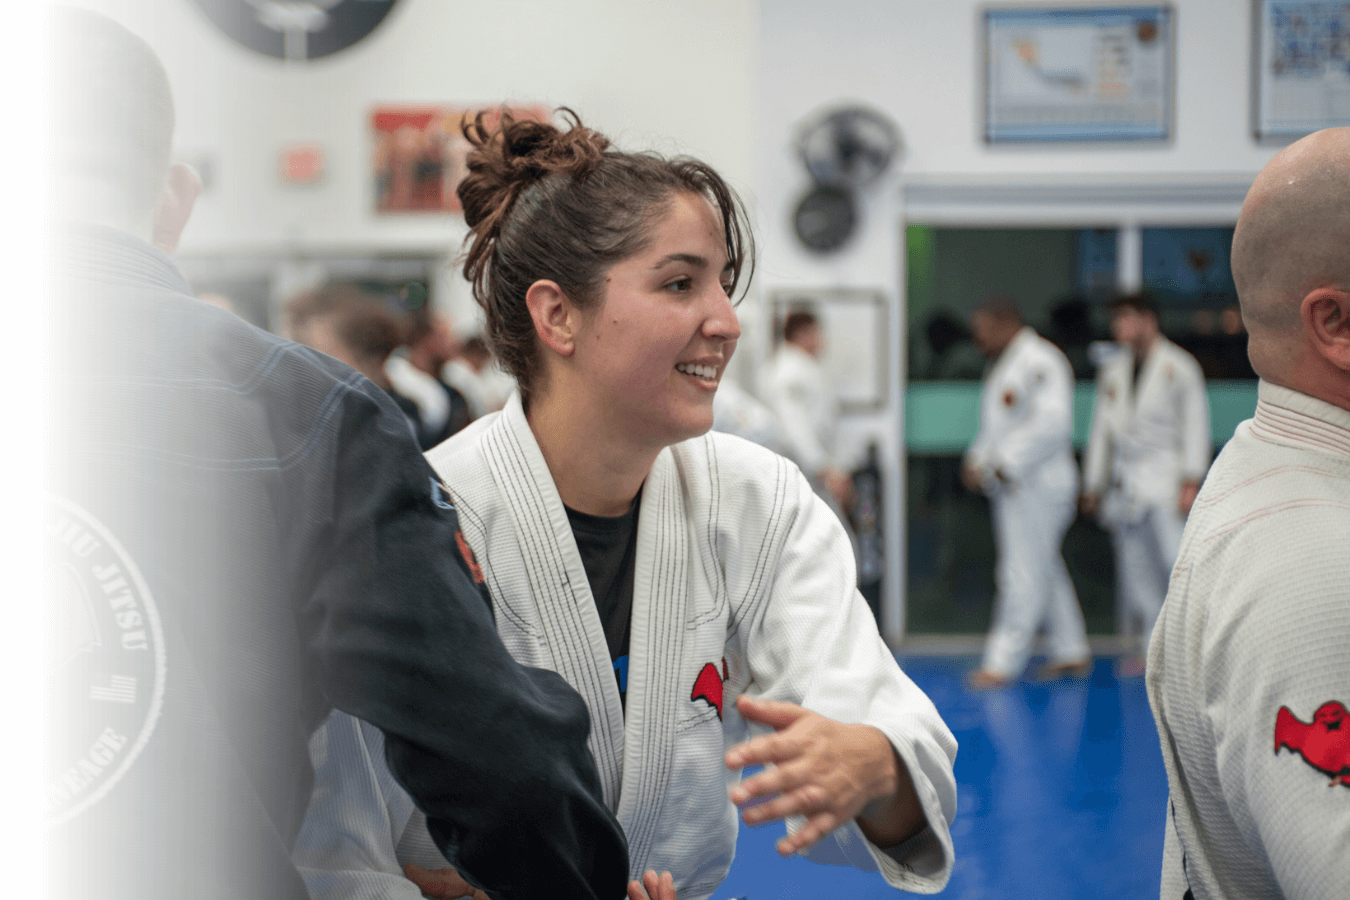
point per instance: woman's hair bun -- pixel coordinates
(518, 153)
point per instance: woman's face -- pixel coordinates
(653, 350)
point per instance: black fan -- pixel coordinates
(296, 30)
(848, 147)
(844, 149)
(825, 218)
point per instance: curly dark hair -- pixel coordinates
(544, 203)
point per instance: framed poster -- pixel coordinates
(856, 353)
(419, 153)
(1088, 73)
(1300, 67)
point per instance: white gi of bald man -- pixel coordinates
(1150, 437)
(1249, 669)
(1024, 453)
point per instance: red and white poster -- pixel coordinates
(420, 152)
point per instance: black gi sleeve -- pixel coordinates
(402, 636)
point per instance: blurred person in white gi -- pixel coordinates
(475, 373)
(736, 411)
(1022, 459)
(415, 371)
(795, 387)
(1146, 455)
(1249, 669)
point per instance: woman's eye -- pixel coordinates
(680, 285)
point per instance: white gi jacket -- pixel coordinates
(795, 388)
(1143, 446)
(741, 571)
(1026, 419)
(1250, 662)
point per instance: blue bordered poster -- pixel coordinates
(1302, 63)
(1092, 73)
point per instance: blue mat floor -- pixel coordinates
(1061, 794)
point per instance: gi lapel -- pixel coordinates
(567, 613)
(656, 670)
(1150, 380)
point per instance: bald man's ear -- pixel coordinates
(1326, 319)
(555, 317)
(175, 206)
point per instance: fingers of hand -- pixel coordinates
(774, 713)
(443, 884)
(804, 800)
(816, 827)
(771, 748)
(652, 887)
(792, 771)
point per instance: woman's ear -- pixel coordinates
(555, 317)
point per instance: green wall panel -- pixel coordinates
(942, 417)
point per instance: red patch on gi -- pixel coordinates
(1324, 743)
(467, 552)
(1009, 398)
(708, 685)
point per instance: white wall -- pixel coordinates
(679, 78)
(726, 80)
(917, 61)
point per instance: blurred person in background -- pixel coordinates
(1147, 453)
(794, 385)
(736, 411)
(951, 355)
(475, 373)
(1249, 668)
(342, 321)
(242, 536)
(1022, 459)
(415, 371)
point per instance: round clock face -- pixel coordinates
(296, 29)
(825, 218)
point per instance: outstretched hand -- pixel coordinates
(824, 770)
(443, 884)
(652, 887)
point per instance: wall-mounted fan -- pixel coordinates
(844, 150)
(296, 30)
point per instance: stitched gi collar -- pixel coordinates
(107, 255)
(1285, 416)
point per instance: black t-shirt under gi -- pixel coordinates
(608, 548)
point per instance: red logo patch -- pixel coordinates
(1009, 398)
(708, 685)
(1324, 743)
(467, 552)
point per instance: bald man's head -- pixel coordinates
(113, 114)
(1292, 238)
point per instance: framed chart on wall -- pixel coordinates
(856, 353)
(1086, 73)
(1300, 67)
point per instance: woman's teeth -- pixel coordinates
(706, 372)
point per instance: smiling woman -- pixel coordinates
(690, 585)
